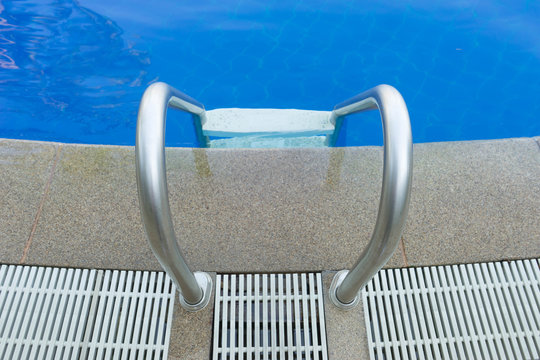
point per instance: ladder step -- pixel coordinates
(249, 122)
(269, 142)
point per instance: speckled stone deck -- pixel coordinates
(479, 201)
(269, 210)
(25, 170)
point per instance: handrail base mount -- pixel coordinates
(205, 282)
(336, 282)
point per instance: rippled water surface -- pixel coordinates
(74, 71)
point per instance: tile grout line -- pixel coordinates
(403, 254)
(40, 208)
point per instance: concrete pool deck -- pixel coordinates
(268, 210)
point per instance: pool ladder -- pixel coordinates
(195, 288)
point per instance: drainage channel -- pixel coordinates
(474, 311)
(58, 313)
(269, 316)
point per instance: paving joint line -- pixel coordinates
(403, 254)
(40, 208)
(537, 142)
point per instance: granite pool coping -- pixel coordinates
(258, 210)
(268, 210)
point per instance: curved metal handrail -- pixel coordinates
(395, 193)
(195, 288)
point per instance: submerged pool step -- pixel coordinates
(269, 316)
(267, 128)
(231, 122)
(269, 142)
(473, 311)
(58, 313)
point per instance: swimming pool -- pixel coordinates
(74, 71)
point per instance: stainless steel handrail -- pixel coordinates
(395, 193)
(194, 289)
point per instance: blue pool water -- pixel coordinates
(74, 71)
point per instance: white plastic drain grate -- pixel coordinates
(269, 316)
(475, 311)
(56, 313)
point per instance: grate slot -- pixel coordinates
(480, 311)
(57, 313)
(269, 316)
(290, 322)
(282, 315)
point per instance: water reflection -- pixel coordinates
(68, 73)
(6, 62)
(64, 65)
